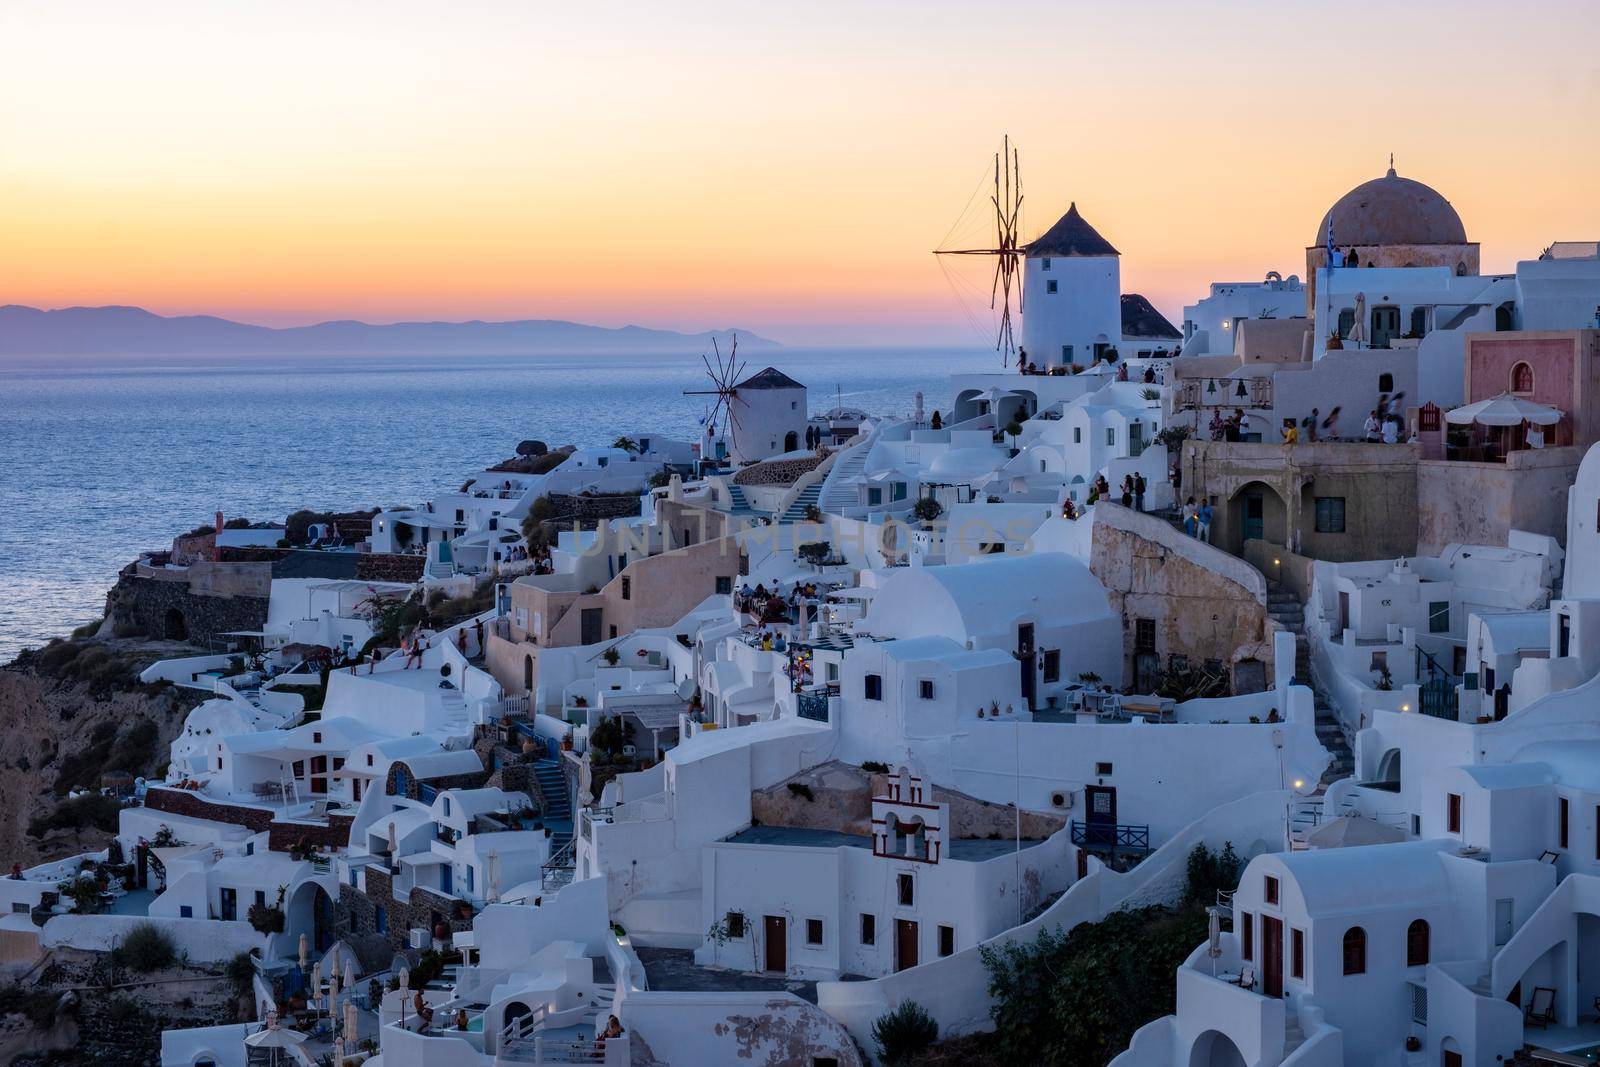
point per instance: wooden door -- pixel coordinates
(1100, 816)
(1451, 1059)
(775, 929)
(1385, 326)
(1026, 660)
(1271, 956)
(589, 624)
(905, 944)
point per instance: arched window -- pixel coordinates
(1385, 383)
(1416, 944)
(1355, 951)
(1522, 378)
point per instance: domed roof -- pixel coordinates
(1392, 210)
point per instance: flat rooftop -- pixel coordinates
(974, 850)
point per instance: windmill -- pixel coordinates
(1006, 200)
(724, 374)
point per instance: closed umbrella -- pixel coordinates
(305, 948)
(1358, 329)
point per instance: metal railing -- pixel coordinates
(560, 869)
(1117, 837)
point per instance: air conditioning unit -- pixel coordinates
(419, 937)
(1061, 798)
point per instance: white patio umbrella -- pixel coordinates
(1503, 410)
(275, 1038)
(1348, 830)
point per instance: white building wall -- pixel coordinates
(1084, 310)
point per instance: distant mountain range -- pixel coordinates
(26, 331)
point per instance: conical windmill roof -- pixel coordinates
(1071, 236)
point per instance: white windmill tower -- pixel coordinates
(763, 415)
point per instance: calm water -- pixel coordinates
(113, 456)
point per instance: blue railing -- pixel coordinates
(813, 705)
(1117, 837)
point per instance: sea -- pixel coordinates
(104, 457)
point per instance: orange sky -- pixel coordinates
(780, 167)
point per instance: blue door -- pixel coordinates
(446, 878)
(1254, 517)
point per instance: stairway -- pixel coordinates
(557, 804)
(737, 503)
(1285, 609)
(809, 497)
(1293, 1036)
(839, 487)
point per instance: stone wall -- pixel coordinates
(441, 783)
(357, 911)
(842, 800)
(589, 510)
(183, 802)
(1481, 503)
(1205, 604)
(285, 836)
(388, 567)
(208, 600)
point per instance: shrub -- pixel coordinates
(927, 509)
(800, 789)
(872, 765)
(815, 552)
(542, 509)
(147, 948)
(265, 918)
(902, 1033)
(661, 478)
(89, 811)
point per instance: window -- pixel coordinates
(444, 803)
(1385, 383)
(873, 689)
(261, 898)
(1355, 951)
(907, 890)
(1419, 321)
(380, 919)
(1077, 439)
(316, 738)
(735, 924)
(869, 929)
(1269, 892)
(1045, 264)
(1439, 617)
(369, 759)
(1066, 353)
(1522, 378)
(724, 585)
(1297, 953)
(627, 587)
(1417, 943)
(814, 931)
(1144, 635)
(184, 911)
(1330, 514)
(1247, 936)
(1561, 822)
(1347, 321)
(1452, 816)
(925, 689)
(947, 940)
(1102, 769)
(1052, 665)
(1111, 436)
(1050, 286)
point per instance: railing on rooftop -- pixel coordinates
(560, 868)
(1113, 837)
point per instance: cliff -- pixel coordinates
(71, 712)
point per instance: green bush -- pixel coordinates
(1209, 873)
(542, 509)
(147, 948)
(927, 509)
(902, 1033)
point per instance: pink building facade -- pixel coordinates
(1560, 369)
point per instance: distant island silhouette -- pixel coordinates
(110, 331)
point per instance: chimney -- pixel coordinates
(219, 522)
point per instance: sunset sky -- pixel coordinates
(782, 167)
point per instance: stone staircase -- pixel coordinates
(558, 805)
(1293, 1036)
(839, 487)
(1285, 609)
(810, 496)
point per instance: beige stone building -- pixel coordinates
(553, 611)
(1336, 501)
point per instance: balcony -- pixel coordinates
(1112, 837)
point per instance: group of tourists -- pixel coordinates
(1197, 519)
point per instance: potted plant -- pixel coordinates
(611, 656)
(566, 741)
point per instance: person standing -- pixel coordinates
(1127, 492)
(1391, 430)
(1139, 486)
(1372, 428)
(1189, 512)
(1202, 521)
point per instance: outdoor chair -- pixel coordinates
(1542, 1008)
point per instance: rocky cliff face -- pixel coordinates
(70, 713)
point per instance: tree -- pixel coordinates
(627, 444)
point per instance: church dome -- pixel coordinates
(1392, 210)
